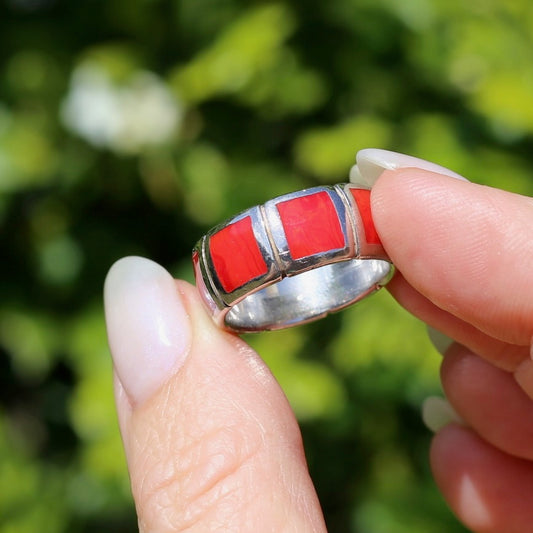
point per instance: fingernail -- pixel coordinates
(372, 162)
(523, 375)
(438, 413)
(440, 341)
(147, 325)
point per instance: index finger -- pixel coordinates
(465, 247)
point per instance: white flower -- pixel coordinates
(126, 118)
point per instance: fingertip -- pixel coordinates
(456, 242)
(445, 444)
(447, 441)
(217, 440)
(488, 490)
(410, 207)
(405, 188)
(450, 448)
(148, 326)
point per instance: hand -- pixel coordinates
(210, 440)
(464, 252)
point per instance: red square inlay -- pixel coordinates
(311, 225)
(362, 200)
(236, 255)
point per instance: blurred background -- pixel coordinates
(132, 126)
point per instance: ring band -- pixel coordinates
(292, 260)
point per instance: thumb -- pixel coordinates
(210, 440)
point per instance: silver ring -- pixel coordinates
(292, 260)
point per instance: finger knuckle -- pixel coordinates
(201, 479)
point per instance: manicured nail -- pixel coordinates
(440, 341)
(147, 325)
(523, 375)
(372, 162)
(438, 413)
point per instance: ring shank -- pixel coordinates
(308, 295)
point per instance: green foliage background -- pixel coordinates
(132, 126)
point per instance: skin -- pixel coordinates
(467, 274)
(217, 447)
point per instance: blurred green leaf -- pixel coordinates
(31, 341)
(23, 134)
(312, 388)
(248, 47)
(328, 153)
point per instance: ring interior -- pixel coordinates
(309, 295)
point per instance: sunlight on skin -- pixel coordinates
(471, 505)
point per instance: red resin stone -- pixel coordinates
(362, 200)
(311, 225)
(236, 255)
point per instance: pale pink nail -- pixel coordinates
(148, 327)
(372, 162)
(437, 413)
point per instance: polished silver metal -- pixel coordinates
(294, 291)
